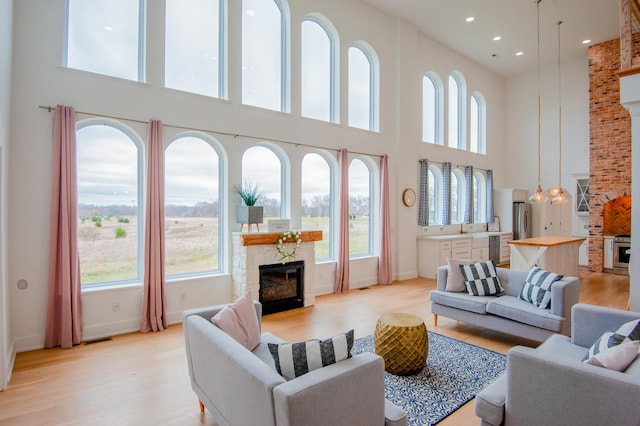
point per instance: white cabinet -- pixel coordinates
(434, 251)
(583, 254)
(608, 252)
(480, 254)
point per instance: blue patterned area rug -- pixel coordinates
(456, 371)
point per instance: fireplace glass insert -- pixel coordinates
(281, 286)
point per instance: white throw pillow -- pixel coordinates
(240, 321)
(616, 357)
(455, 280)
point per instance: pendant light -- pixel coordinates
(538, 196)
(558, 193)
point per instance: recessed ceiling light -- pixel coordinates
(520, 53)
(251, 12)
(587, 41)
(470, 19)
(497, 38)
(108, 28)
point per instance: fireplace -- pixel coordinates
(281, 286)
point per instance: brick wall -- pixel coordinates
(610, 142)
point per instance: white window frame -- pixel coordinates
(140, 202)
(222, 202)
(460, 120)
(436, 172)
(480, 130)
(334, 66)
(438, 106)
(374, 84)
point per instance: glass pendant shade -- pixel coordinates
(538, 196)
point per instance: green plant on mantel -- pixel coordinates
(250, 193)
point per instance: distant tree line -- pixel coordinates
(318, 206)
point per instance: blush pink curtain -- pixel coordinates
(342, 265)
(154, 303)
(384, 262)
(64, 305)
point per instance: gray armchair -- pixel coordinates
(550, 385)
(242, 387)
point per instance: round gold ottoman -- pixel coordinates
(401, 340)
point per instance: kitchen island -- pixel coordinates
(554, 253)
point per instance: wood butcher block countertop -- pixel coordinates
(547, 241)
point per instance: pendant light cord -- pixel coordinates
(559, 113)
(538, 27)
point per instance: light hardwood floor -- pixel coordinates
(142, 379)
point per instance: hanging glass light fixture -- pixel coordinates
(538, 196)
(559, 194)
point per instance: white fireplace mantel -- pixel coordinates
(250, 250)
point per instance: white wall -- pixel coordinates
(404, 55)
(7, 348)
(522, 130)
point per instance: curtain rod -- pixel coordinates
(458, 165)
(235, 135)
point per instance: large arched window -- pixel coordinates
(195, 43)
(457, 196)
(109, 160)
(263, 167)
(193, 222)
(363, 88)
(479, 197)
(319, 71)
(318, 201)
(477, 124)
(435, 195)
(106, 37)
(457, 108)
(360, 212)
(432, 116)
(265, 54)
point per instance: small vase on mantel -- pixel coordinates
(249, 213)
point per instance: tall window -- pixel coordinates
(106, 37)
(362, 89)
(477, 124)
(264, 53)
(457, 196)
(359, 209)
(318, 201)
(430, 110)
(435, 195)
(457, 114)
(109, 206)
(194, 46)
(261, 166)
(479, 198)
(192, 207)
(319, 92)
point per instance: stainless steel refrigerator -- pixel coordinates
(521, 220)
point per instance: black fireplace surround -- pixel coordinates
(281, 286)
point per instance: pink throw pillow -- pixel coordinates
(240, 321)
(455, 280)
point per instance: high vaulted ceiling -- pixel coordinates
(515, 22)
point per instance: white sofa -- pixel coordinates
(505, 312)
(241, 387)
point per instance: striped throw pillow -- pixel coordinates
(481, 279)
(537, 287)
(295, 359)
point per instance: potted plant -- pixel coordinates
(249, 213)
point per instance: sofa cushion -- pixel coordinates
(295, 359)
(464, 301)
(518, 310)
(537, 287)
(240, 321)
(481, 279)
(560, 346)
(262, 350)
(455, 280)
